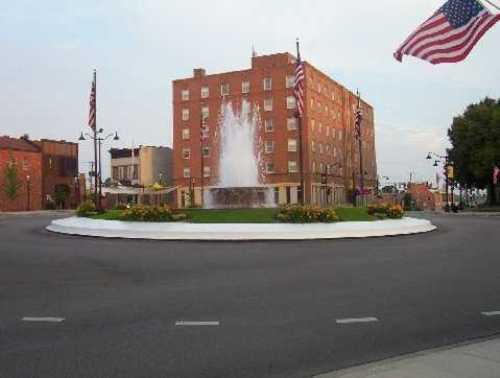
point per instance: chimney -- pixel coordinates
(199, 73)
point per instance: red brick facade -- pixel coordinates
(28, 163)
(330, 151)
(43, 167)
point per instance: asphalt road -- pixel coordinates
(277, 304)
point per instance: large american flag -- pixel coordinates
(92, 104)
(450, 34)
(299, 87)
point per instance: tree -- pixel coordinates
(12, 184)
(475, 140)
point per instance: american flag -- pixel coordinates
(358, 116)
(450, 34)
(92, 104)
(299, 87)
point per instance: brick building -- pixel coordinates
(330, 152)
(47, 171)
(26, 160)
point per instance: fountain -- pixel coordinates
(240, 166)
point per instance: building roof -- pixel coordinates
(19, 144)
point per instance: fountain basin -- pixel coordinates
(239, 197)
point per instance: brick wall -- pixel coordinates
(28, 164)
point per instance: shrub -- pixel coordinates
(86, 209)
(383, 211)
(395, 212)
(148, 214)
(306, 214)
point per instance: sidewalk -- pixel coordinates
(474, 360)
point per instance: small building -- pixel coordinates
(38, 174)
(142, 166)
(424, 197)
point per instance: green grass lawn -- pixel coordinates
(345, 214)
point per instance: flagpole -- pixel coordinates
(360, 146)
(202, 130)
(299, 126)
(97, 201)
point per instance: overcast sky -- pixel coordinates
(49, 49)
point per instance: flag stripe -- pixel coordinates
(450, 34)
(459, 43)
(460, 54)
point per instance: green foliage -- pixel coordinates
(86, 209)
(383, 211)
(61, 194)
(306, 214)
(12, 184)
(148, 214)
(475, 139)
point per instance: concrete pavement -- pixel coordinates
(470, 360)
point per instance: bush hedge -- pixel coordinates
(143, 213)
(383, 211)
(86, 209)
(306, 214)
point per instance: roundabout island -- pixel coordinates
(244, 225)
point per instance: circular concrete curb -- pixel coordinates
(238, 231)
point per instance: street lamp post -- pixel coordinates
(447, 165)
(98, 139)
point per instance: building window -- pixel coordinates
(268, 84)
(268, 104)
(292, 166)
(269, 146)
(206, 171)
(205, 92)
(333, 133)
(186, 153)
(268, 125)
(320, 127)
(292, 145)
(185, 95)
(327, 131)
(187, 172)
(291, 102)
(292, 123)
(224, 89)
(115, 174)
(321, 168)
(320, 145)
(340, 134)
(206, 151)
(269, 167)
(313, 146)
(245, 87)
(327, 149)
(290, 81)
(186, 134)
(313, 167)
(205, 111)
(334, 151)
(311, 102)
(185, 114)
(313, 124)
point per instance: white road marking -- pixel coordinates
(49, 319)
(356, 320)
(491, 313)
(183, 323)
